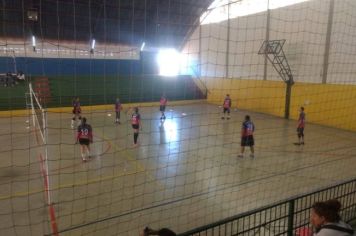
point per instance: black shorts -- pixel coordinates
(135, 126)
(300, 131)
(162, 108)
(247, 141)
(84, 141)
(227, 110)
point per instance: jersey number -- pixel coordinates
(84, 132)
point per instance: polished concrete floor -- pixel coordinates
(185, 172)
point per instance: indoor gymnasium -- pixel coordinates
(176, 117)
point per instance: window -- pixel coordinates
(219, 10)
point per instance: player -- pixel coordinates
(247, 136)
(84, 137)
(118, 108)
(136, 124)
(163, 102)
(300, 127)
(76, 111)
(226, 107)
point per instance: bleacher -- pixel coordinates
(8, 79)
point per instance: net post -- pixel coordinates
(45, 135)
(32, 107)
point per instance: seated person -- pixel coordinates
(20, 77)
(327, 221)
(162, 232)
(10, 80)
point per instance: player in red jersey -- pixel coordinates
(136, 124)
(76, 111)
(84, 137)
(118, 108)
(226, 107)
(163, 102)
(300, 127)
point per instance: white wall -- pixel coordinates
(213, 54)
(303, 25)
(342, 55)
(246, 36)
(191, 51)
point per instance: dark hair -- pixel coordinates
(247, 117)
(328, 209)
(302, 108)
(161, 232)
(84, 120)
(136, 109)
(228, 95)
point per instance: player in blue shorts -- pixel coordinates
(247, 140)
(226, 107)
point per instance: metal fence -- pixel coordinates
(283, 218)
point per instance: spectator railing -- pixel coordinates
(288, 217)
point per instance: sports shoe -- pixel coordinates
(240, 156)
(223, 118)
(228, 118)
(252, 155)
